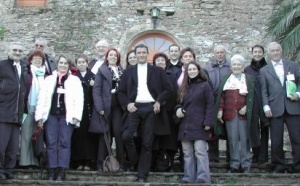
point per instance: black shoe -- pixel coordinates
(141, 180)
(232, 170)
(2, 177)
(275, 171)
(51, 174)
(61, 174)
(246, 170)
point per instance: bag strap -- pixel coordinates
(103, 117)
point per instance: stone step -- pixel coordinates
(33, 177)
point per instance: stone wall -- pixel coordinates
(75, 25)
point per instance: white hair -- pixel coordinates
(222, 47)
(43, 40)
(238, 57)
(14, 43)
(272, 44)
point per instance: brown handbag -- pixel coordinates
(110, 164)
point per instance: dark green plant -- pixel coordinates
(2, 32)
(284, 26)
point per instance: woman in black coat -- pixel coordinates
(166, 145)
(259, 130)
(106, 105)
(84, 144)
(195, 108)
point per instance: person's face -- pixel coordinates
(187, 57)
(141, 55)
(161, 62)
(39, 45)
(112, 58)
(257, 53)
(62, 65)
(220, 54)
(236, 67)
(15, 52)
(37, 61)
(132, 59)
(192, 71)
(101, 49)
(275, 53)
(174, 53)
(82, 64)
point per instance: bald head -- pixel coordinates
(101, 47)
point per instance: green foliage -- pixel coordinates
(2, 32)
(284, 25)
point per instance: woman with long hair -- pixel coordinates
(195, 109)
(106, 105)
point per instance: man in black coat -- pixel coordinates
(142, 91)
(12, 93)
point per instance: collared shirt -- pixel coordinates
(97, 65)
(174, 62)
(18, 66)
(143, 94)
(278, 67)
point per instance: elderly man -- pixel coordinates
(101, 47)
(280, 107)
(217, 69)
(12, 93)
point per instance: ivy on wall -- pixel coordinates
(2, 32)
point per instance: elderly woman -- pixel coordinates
(106, 104)
(234, 102)
(36, 80)
(59, 110)
(195, 108)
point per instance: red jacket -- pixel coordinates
(230, 103)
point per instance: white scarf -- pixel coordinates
(233, 83)
(38, 74)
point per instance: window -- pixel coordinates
(155, 42)
(31, 3)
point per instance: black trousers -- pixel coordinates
(143, 118)
(9, 146)
(277, 127)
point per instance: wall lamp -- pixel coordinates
(154, 15)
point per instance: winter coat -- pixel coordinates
(73, 98)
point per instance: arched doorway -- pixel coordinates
(156, 42)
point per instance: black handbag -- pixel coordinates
(38, 143)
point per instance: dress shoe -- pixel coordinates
(277, 171)
(2, 177)
(86, 168)
(141, 180)
(246, 169)
(80, 167)
(232, 170)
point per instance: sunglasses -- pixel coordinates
(41, 46)
(17, 50)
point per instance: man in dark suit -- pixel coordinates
(100, 48)
(142, 91)
(12, 92)
(280, 107)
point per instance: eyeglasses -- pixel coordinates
(17, 50)
(41, 46)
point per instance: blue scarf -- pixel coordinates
(38, 74)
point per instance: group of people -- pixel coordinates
(151, 110)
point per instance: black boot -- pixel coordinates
(61, 174)
(51, 174)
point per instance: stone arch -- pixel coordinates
(160, 40)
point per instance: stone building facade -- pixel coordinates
(74, 26)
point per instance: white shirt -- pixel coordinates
(143, 94)
(97, 65)
(17, 64)
(83, 73)
(174, 62)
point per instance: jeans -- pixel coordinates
(196, 162)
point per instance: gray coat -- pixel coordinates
(274, 94)
(102, 95)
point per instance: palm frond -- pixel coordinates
(291, 40)
(283, 18)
